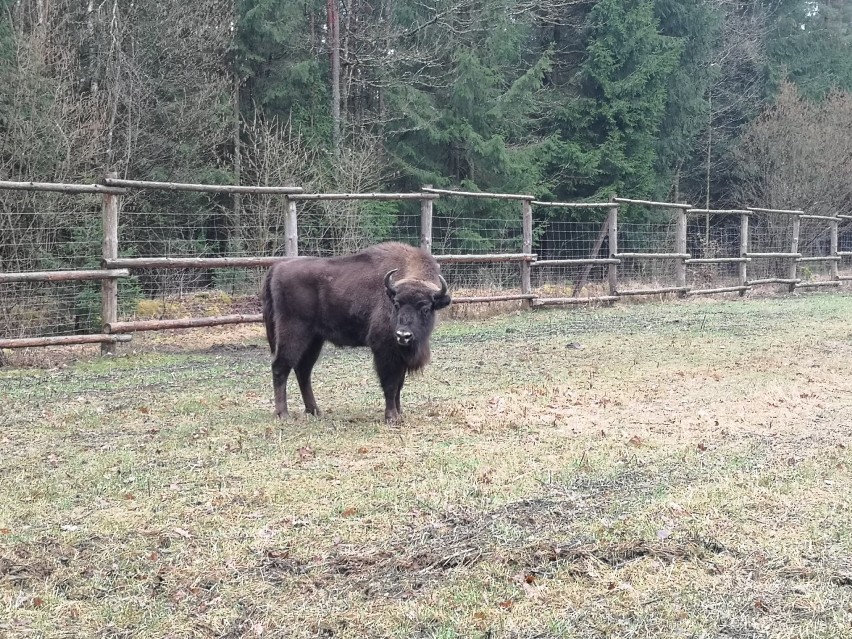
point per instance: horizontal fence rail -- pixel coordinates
(54, 187)
(63, 276)
(539, 256)
(204, 188)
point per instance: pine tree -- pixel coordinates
(623, 89)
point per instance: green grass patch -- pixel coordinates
(677, 470)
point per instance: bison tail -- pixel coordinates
(268, 311)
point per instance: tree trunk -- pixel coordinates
(334, 50)
(238, 201)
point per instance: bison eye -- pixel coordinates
(426, 310)
(396, 305)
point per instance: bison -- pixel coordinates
(384, 297)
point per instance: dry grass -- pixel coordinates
(677, 470)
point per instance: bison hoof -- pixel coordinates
(393, 419)
(313, 411)
(282, 414)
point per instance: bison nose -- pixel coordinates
(403, 338)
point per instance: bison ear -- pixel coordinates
(441, 299)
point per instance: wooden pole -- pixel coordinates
(661, 205)
(203, 188)
(187, 322)
(493, 298)
(743, 266)
(680, 246)
(654, 256)
(59, 188)
(64, 276)
(794, 248)
(527, 227)
(835, 263)
(486, 258)
(291, 246)
(426, 222)
(62, 340)
(109, 287)
(566, 301)
(612, 271)
(479, 194)
(318, 197)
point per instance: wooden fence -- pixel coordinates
(114, 267)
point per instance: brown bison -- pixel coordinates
(384, 297)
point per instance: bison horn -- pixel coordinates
(389, 283)
(443, 290)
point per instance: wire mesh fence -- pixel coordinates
(338, 227)
(34, 309)
(709, 237)
(52, 231)
(44, 232)
(814, 242)
(844, 247)
(470, 227)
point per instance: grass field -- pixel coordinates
(659, 470)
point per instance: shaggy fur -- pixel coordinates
(345, 300)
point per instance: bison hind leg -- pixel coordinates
(280, 372)
(303, 374)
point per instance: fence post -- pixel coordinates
(612, 270)
(426, 222)
(109, 287)
(680, 247)
(526, 285)
(835, 266)
(794, 248)
(743, 266)
(291, 245)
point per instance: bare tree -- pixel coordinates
(797, 155)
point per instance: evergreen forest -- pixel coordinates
(719, 103)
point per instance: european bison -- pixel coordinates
(384, 297)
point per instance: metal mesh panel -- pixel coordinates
(40, 309)
(463, 226)
(45, 232)
(713, 238)
(814, 241)
(649, 237)
(563, 281)
(844, 245)
(337, 227)
(481, 279)
(48, 231)
(187, 224)
(770, 234)
(566, 234)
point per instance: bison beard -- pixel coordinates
(384, 297)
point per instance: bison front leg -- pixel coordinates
(391, 372)
(399, 393)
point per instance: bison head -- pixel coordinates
(414, 305)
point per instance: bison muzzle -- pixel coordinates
(384, 297)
